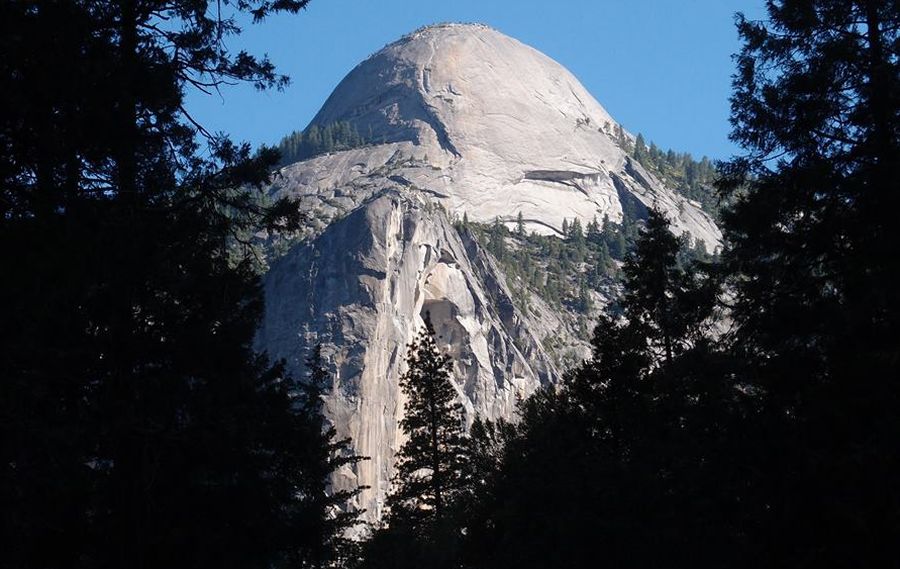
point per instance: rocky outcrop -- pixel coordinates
(490, 124)
(471, 122)
(362, 288)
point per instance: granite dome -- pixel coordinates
(464, 121)
(510, 130)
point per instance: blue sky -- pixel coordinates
(660, 67)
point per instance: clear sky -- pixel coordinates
(660, 67)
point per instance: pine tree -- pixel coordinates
(434, 476)
(300, 145)
(326, 533)
(604, 259)
(576, 233)
(593, 231)
(576, 237)
(638, 452)
(640, 149)
(497, 239)
(618, 242)
(314, 139)
(431, 465)
(671, 159)
(520, 225)
(140, 428)
(328, 138)
(655, 155)
(585, 302)
(814, 265)
(659, 294)
(621, 138)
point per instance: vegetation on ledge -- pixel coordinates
(316, 140)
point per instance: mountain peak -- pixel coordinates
(463, 120)
(461, 76)
(498, 129)
(440, 27)
(443, 28)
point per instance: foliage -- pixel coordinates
(432, 470)
(565, 271)
(624, 453)
(316, 140)
(140, 428)
(431, 464)
(554, 268)
(663, 301)
(330, 518)
(814, 266)
(694, 179)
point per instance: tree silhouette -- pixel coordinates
(667, 303)
(322, 453)
(139, 426)
(814, 264)
(637, 446)
(432, 473)
(431, 464)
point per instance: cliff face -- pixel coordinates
(362, 288)
(470, 122)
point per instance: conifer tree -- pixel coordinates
(433, 476)
(660, 296)
(618, 242)
(140, 428)
(604, 259)
(640, 149)
(431, 464)
(497, 239)
(322, 453)
(576, 233)
(814, 265)
(621, 138)
(314, 136)
(576, 237)
(625, 440)
(593, 231)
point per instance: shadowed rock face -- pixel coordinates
(472, 122)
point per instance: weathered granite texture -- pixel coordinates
(471, 122)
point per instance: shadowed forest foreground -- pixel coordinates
(737, 411)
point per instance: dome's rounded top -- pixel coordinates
(440, 27)
(470, 86)
(496, 127)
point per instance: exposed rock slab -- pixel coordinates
(494, 128)
(362, 288)
(470, 122)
